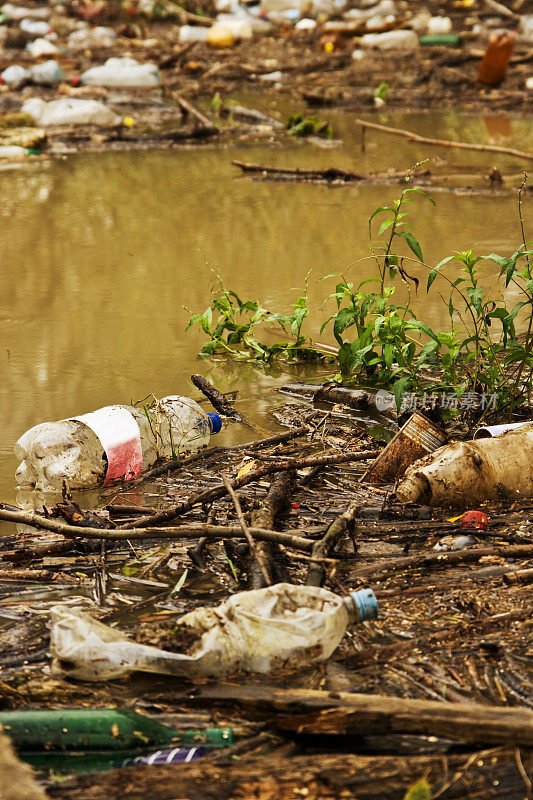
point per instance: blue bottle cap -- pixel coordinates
(216, 422)
(366, 604)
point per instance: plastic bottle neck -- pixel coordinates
(361, 605)
(215, 422)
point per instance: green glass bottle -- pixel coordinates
(100, 729)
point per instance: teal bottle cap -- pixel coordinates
(366, 603)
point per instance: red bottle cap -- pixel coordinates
(475, 519)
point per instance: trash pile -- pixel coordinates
(104, 75)
(214, 615)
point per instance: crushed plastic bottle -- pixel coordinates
(91, 38)
(257, 631)
(13, 151)
(69, 111)
(239, 27)
(302, 8)
(383, 8)
(21, 12)
(15, 76)
(466, 473)
(525, 27)
(121, 72)
(390, 40)
(439, 26)
(41, 47)
(46, 74)
(192, 33)
(114, 443)
(35, 27)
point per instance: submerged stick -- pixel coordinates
(435, 560)
(266, 469)
(190, 109)
(339, 526)
(287, 538)
(328, 174)
(216, 398)
(274, 503)
(320, 712)
(489, 148)
(174, 466)
(247, 535)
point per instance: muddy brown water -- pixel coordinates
(101, 252)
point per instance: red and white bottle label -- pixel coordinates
(119, 433)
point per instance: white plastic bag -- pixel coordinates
(256, 631)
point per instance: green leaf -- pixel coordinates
(208, 349)
(193, 320)
(206, 320)
(428, 348)
(421, 790)
(475, 295)
(180, 583)
(388, 354)
(377, 211)
(500, 260)
(399, 389)
(431, 277)
(416, 190)
(413, 244)
(384, 225)
(344, 319)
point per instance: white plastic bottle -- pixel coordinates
(46, 74)
(15, 76)
(121, 72)
(41, 47)
(192, 33)
(35, 27)
(463, 474)
(114, 443)
(69, 111)
(91, 38)
(390, 40)
(262, 630)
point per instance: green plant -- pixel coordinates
(384, 350)
(381, 92)
(383, 343)
(234, 331)
(387, 347)
(310, 126)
